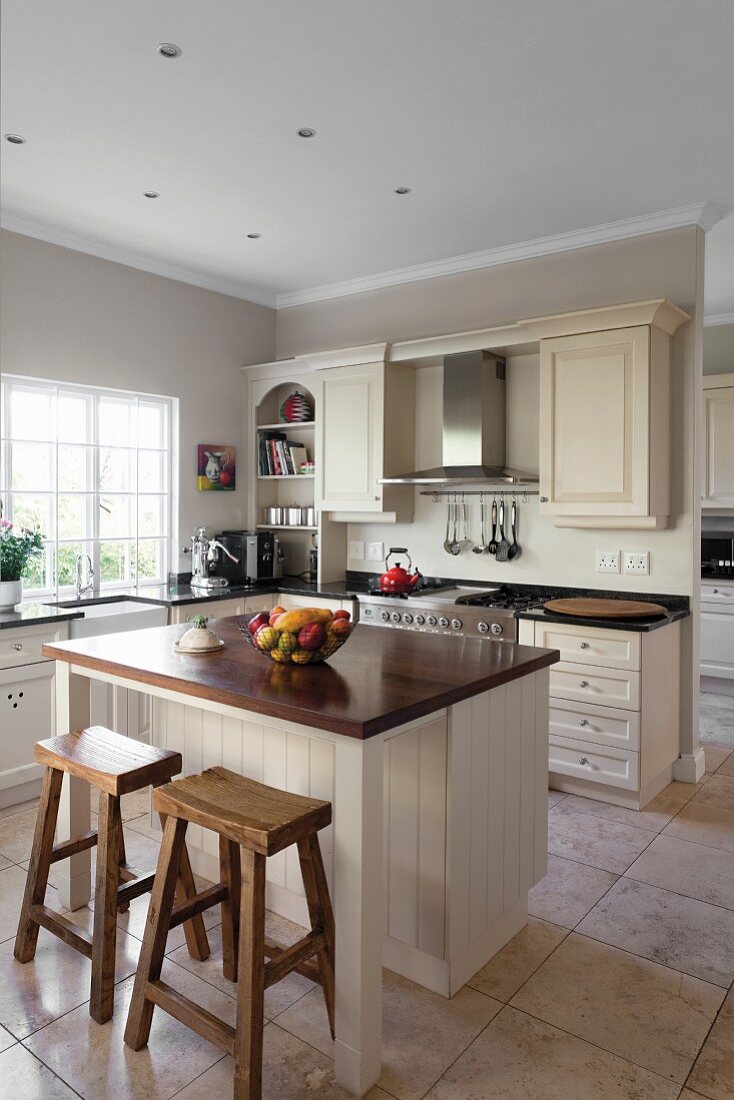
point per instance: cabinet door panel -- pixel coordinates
(719, 427)
(26, 715)
(351, 438)
(594, 423)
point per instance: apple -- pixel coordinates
(342, 615)
(311, 636)
(261, 619)
(275, 613)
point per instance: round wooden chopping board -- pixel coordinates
(606, 609)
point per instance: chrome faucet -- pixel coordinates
(88, 585)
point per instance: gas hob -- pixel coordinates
(458, 612)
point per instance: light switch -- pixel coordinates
(356, 550)
(375, 551)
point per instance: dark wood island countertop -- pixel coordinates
(378, 680)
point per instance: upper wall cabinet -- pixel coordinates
(366, 431)
(605, 415)
(718, 434)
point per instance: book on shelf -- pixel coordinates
(278, 456)
(297, 454)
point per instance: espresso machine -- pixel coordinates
(253, 557)
(205, 556)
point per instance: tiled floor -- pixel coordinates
(620, 985)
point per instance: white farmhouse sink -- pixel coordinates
(114, 617)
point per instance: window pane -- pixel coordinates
(39, 573)
(72, 517)
(152, 472)
(31, 414)
(116, 516)
(116, 470)
(73, 468)
(116, 421)
(34, 510)
(152, 516)
(66, 557)
(115, 562)
(32, 465)
(73, 418)
(150, 555)
(152, 424)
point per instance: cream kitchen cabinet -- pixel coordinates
(717, 633)
(605, 415)
(213, 609)
(718, 434)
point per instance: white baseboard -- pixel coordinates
(690, 767)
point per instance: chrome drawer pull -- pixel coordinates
(583, 645)
(584, 684)
(584, 722)
(583, 760)
(18, 646)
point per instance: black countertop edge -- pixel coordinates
(36, 614)
(639, 626)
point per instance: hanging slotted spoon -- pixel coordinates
(448, 541)
(514, 548)
(482, 548)
(493, 544)
(504, 546)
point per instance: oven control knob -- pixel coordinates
(456, 624)
(407, 618)
(419, 620)
(483, 628)
(497, 629)
(385, 616)
(443, 621)
(395, 616)
(431, 620)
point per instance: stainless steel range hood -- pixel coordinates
(474, 436)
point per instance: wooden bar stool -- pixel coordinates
(253, 821)
(115, 765)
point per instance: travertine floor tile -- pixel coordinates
(690, 869)
(131, 806)
(22, 1075)
(680, 932)
(715, 756)
(33, 994)
(703, 824)
(713, 1074)
(422, 1033)
(505, 973)
(16, 835)
(727, 768)
(6, 1039)
(718, 792)
(716, 717)
(12, 888)
(97, 1064)
(5, 863)
(291, 1071)
(10, 811)
(519, 1058)
(555, 797)
(568, 891)
(141, 852)
(637, 1009)
(654, 817)
(594, 840)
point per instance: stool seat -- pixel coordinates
(109, 761)
(263, 819)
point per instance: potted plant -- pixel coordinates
(17, 546)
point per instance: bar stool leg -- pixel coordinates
(229, 863)
(122, 860)
(319, 910)
(194, 930)
(150, 963)
(40, 864)
(248, 1044)
(105, 908)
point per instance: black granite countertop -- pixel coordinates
(36, 614)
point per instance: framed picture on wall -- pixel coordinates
(215, 467)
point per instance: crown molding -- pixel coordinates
(703, 214)
(719, 319)
(52, 234)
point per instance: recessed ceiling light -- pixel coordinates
(306, 131)
(169, 49)
(15, 139)
(402, 190)
(151, 194)
(254, 236)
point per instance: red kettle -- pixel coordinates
(397, 579)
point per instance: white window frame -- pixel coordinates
(91, 543)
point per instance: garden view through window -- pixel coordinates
(92, 469)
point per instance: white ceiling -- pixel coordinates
(509, 121)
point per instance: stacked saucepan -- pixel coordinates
(502, 542)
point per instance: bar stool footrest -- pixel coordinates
(73, 847)
(135, 887)
(59, 926)
(192, 1015)
(199, 903)
(294, 957)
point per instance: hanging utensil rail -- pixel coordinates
(519, 493)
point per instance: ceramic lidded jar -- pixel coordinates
(198, 638)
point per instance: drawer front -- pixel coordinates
(611, 766)
(607, 687)
(718, 595)
(22, 646)
(265, 602)
(596, 725)
(591, 645)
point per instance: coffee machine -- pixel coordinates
(205, 555)
(252, 557)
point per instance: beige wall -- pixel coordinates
(718, 349)
(72, 317)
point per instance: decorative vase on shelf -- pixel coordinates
(296, 409)
(11, 593)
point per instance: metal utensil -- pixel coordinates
(514, 547)
(464, 540)
(504, 545)
(456, 543)
(447, 540)
(492, 548)
(482, 548)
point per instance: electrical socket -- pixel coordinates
(375, 551)
(637, 561)
(356, 551)
(607, 561)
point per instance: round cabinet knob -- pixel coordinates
(443, 621)
(456, 624)
(583, 760)
(395, 616)
(407, 618)
(432, 620)
(584, 722)
(716, 591)
(419, 620)
(583, 645)
(385, 616)
(497, 629)
(584, 684)
(483, 628)
(18, 646)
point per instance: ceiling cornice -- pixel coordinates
(43, 231)
(703, 214)
(719, 319)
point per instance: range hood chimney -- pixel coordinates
(474, 436)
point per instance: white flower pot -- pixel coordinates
(11, 593)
